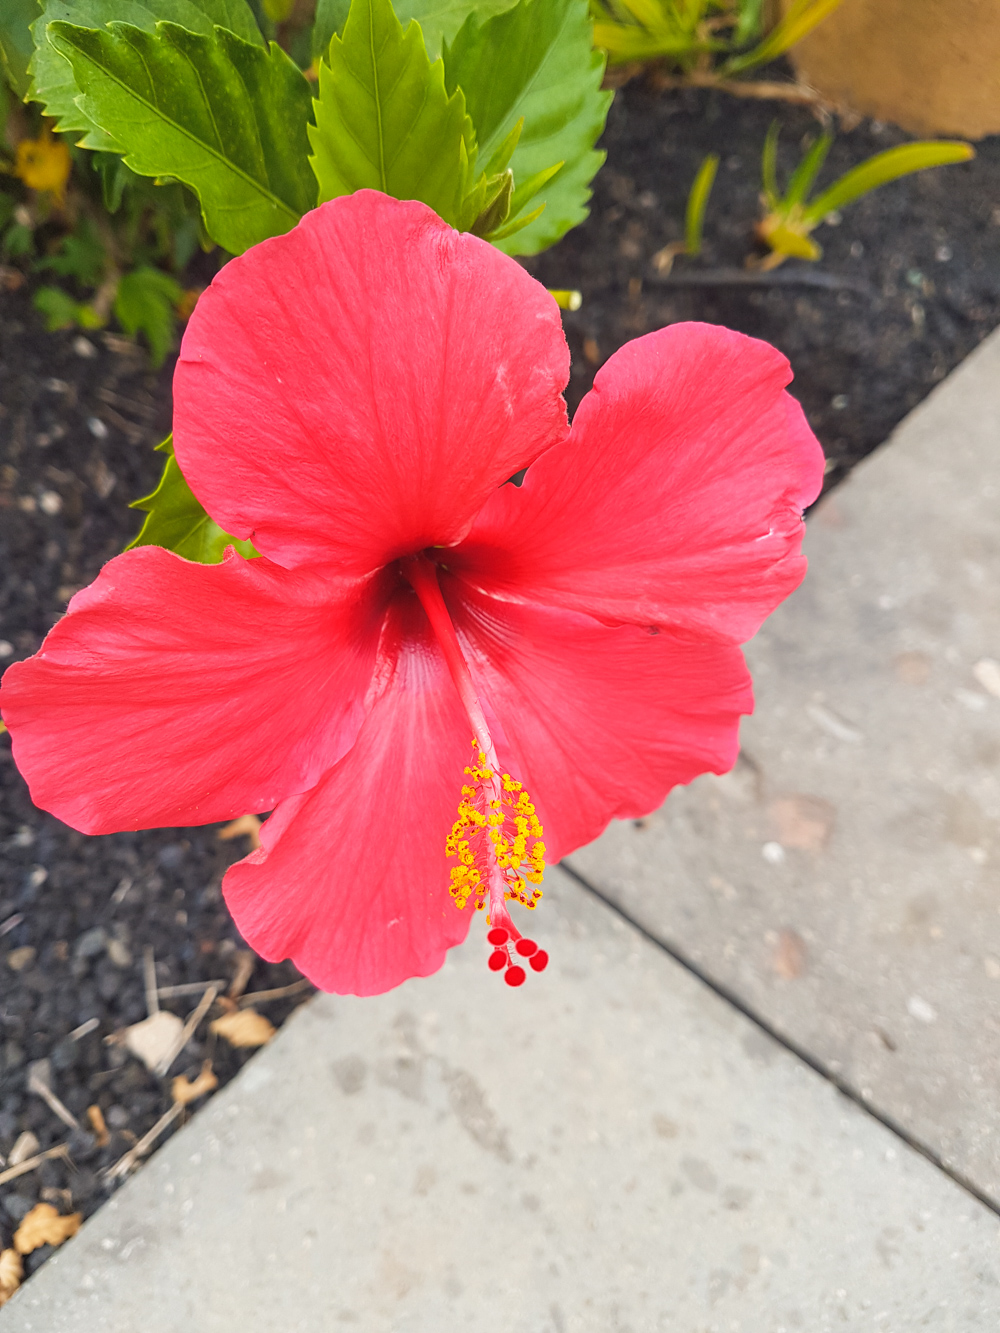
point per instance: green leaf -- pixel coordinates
(52, 80)
(439, 20)
(16, 43)
(175, 519)
(799, 19)
(144, 303)
(536, 61)
(694, 219)
(57, 307)
(220, 114)
(18, 241)
(769, 164)
(887, 166)
(62, 312)
(384, 120)
(807, 171)
(81, 255)
(331, 15)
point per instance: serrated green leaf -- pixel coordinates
(222, 115)
(536, 61)
(145, 303)
(439, 20)
(384, 120)
(52, 80)
(331, 15)
(16, 45)
(175, 519)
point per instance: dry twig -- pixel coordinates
(30, 1163)
(126, 1162)
(204, 1004)
(40, 1083)
(261, 996)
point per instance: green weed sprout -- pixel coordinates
(790, 219)
(694, 218)
(706, 40)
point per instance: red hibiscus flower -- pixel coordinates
(353, 396)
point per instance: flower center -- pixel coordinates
(497, 836)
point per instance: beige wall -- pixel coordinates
(932, 66)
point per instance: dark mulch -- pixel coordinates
(77, 913)
(77, 425)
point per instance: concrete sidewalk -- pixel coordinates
(844, 881)
(615, 1147)
(610, 1148)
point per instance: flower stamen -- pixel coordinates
(497, 839)
(497, 836)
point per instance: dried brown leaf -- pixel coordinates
(96, 1117)
(245, 1028)
(154, 1037)
(11, 1273)
(184, 1091)
(44, 1226)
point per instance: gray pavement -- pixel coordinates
(610, 1148)
(844, 881)
(615, 1148)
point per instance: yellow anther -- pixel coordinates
(502, 809)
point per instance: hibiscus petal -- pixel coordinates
(356, 388)
(599, 722)
(179, 693)
(351, 880)
(677, 499)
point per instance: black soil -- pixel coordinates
(913, 276)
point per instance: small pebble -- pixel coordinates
(839, 401)
(84, 347)
(49, 502)
(19, 959)
(116, 1116)
(34, 1260)
(37, 877)
(119, 953)
(91, 943)
(6, 648)
(82, 1144)
(64, 1055)
(97, 428)
(171, 856)
(18, 1206)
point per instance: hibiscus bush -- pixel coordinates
(489, 117)
(384, 590)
